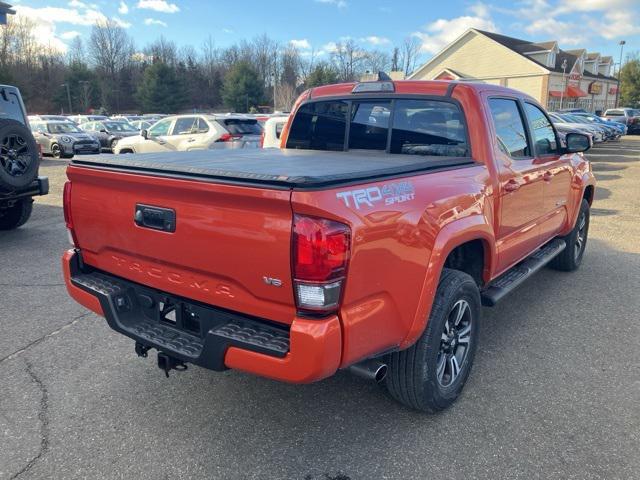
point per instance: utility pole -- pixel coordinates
(622, 44)
(66, 85)
(564, 86)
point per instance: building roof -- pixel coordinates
(522, 47)
(5, 9)
(593, 56)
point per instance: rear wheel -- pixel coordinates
(571, 257)
(19, 156)
(16, 215)
(430, 375)
(113, 144)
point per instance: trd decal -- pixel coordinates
(389, 194)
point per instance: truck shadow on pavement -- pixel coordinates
(542, 372)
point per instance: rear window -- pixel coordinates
(615, 113)
(411, 127)
(242, 126)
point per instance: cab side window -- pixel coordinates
(509, 125)
(541, 130)
(185, 126)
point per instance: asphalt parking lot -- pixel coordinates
(554, 394)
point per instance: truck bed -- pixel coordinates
(275, 168)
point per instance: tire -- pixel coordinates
(19, 157)
(17, 215)
(56, 151)
(67, 155)
(571, 257)
(112, 145)
(413, 377)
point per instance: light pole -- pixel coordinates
(622, 44)
(564, 87)
(66, 85)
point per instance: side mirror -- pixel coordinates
(577, 142)
(144, 133)
(103, 130)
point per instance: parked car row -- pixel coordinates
(596, 128)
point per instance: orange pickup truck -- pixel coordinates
(368, 242)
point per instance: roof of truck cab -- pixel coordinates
(300, 169)
(436, 88)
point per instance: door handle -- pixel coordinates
(511, 186)
(548, 176)
(191, 140)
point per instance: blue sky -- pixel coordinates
(315, 25)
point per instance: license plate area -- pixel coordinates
(169, 310)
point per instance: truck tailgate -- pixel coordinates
(227, 239)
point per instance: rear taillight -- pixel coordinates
(228, 137)
(262, 140)
(66, 205)
(321, 250)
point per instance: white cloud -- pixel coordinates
(480, 10)
(159, 6)
(121, 23)
(337, 3)
(330, 47)
(71, 34)
(227, 30)
(375, 40)
(153, 21)
(123, 9)
(302, 44)
(436, 35)
(564, 32)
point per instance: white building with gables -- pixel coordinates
(556, 78)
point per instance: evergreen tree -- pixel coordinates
(322, 74)
(160, 90)
(242, 87)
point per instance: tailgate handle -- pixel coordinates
(156, 218)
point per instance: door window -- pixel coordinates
(542, 132)
(510, 131)
(185, 126)
(203, 127)
(161, 128)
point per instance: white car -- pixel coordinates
(180, 133)
(272, 130)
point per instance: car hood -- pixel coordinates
(75, 136)
(130, 139)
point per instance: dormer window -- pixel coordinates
(551, 62)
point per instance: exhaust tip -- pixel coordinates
(370, 370)
(381, 373)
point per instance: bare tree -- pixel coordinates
(163, 50)
(348, 59)
(377, 61)
(110, 50)
(76, 54)
(409, 54)
(395, 60)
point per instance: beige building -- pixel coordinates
(534, 68)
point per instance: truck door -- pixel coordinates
(557, 171)
(520, 184)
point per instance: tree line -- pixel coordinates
(109, 73)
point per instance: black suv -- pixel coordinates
(19, 162)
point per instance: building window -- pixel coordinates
(552, 59)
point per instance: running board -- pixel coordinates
(513, 278)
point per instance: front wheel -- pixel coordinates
(571, 257)
(430, 375)
(56, 151)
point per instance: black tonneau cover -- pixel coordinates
(299, 169)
